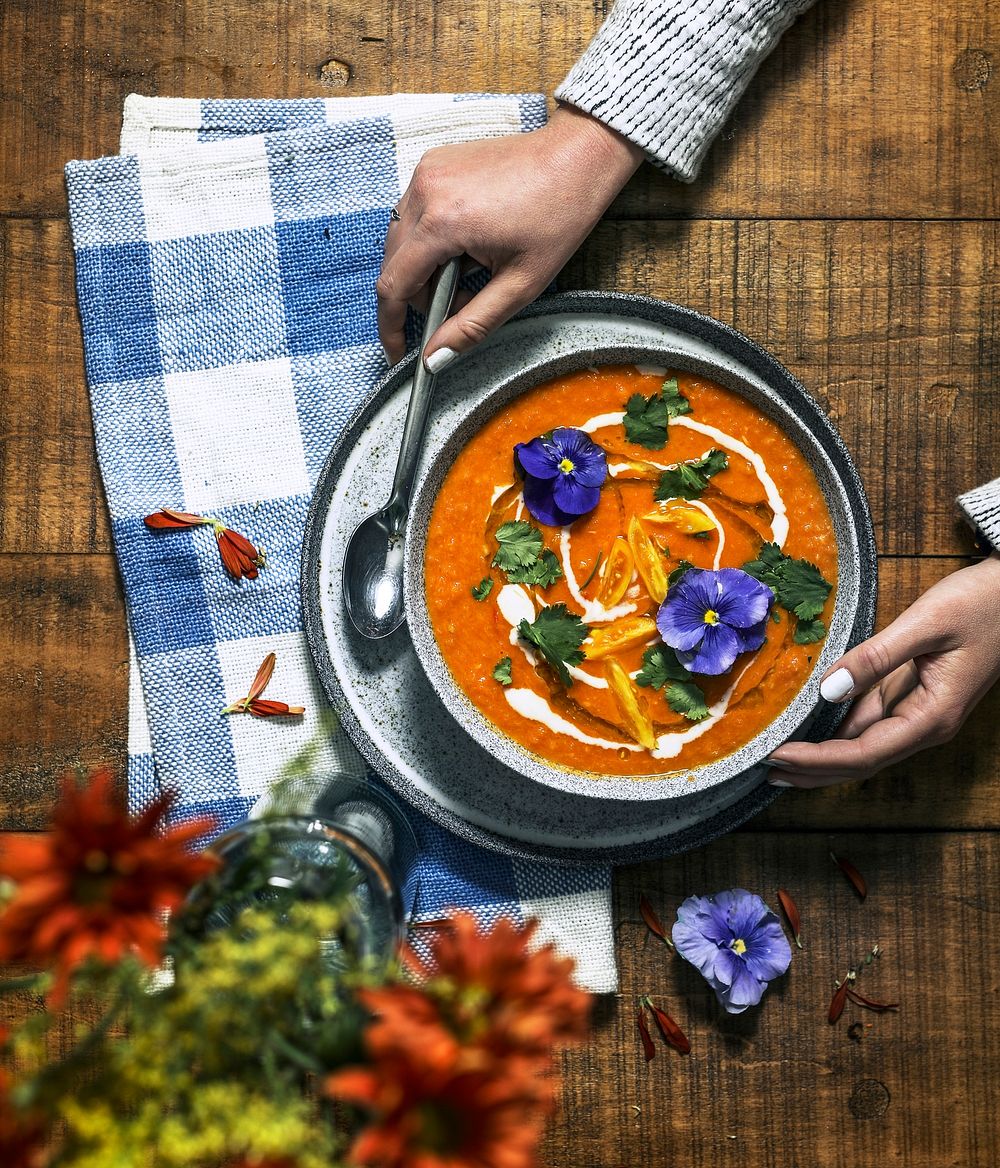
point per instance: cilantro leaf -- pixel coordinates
(543, 572)
(521, 557)
(674, 400)
(807, 632)
(558, 633)
(660, 667)
(684, 697)
(646, 421)
(798, 586)
(647, 418)
(687, 480)
(501, 671)
(481, 590)
(675, 575)
(520, 545)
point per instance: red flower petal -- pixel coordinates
(242, 543)
(648, 1049)
(165, 517)
(259, 683)
(262, 708)
(232, 560)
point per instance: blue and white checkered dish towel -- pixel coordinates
(225, 265)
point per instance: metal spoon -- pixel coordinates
(373, 563)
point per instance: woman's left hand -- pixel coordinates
(916, 683)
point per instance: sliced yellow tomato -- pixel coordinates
(617, 574)
(679, 516)
(620, 634)
(626, 696)
(648, 560)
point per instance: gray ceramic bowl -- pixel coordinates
(735, 772)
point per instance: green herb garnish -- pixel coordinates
(481, 590)
(593, 572)
(798, 586)
(684, 697)
(676, 402)
(558, 633)
(501, 671)
(521, 555)
(661, 669)
(687, 480)
(807, 632)
(520, 545)
(675, 575)
(647, 419)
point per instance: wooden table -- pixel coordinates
(846, 219)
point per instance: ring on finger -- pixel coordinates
(394, 215)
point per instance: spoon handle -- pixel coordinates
(420, 395)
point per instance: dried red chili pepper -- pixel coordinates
(854, 877)
(671, 1032)
(792, 913)
(649, 1050)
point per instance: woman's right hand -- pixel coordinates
(518, 206)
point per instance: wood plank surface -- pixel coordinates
(892, 326)
(868, 108)
(847, 219)
(66, 685)
(780, 1087)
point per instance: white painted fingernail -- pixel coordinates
(439, 359)
(779, 783)
(388, 359)
(837, 686)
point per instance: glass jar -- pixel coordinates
(331, 838)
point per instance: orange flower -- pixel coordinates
(456, 1075)
(239, 556)
(470, 1111)
(95, 885)
(517, 1000)
(253, 703)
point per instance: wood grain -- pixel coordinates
(892, 326)
(867, 108)
(846, 219)
(780, 1087)
(64, 684)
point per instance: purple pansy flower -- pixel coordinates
(735, 942)
(563, 475)
(710, 617)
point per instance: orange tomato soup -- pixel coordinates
(589, 727)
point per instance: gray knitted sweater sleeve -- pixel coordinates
(667, 73)
(981, 507)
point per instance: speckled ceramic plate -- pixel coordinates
(380, 689)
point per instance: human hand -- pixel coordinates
(919, 679)
(519, 206)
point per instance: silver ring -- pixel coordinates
(394, 215)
